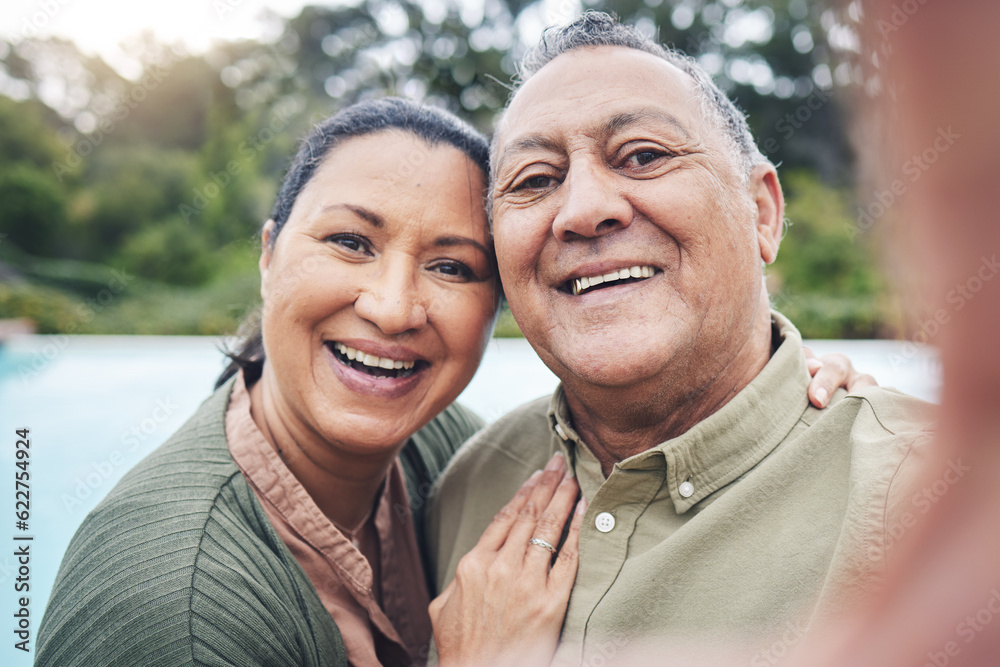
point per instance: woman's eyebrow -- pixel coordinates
(447, 241)
(366, 214)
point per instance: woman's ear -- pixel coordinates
(266, 249)
(770, 208)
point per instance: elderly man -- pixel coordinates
(632, 214)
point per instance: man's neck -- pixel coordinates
(618, 424)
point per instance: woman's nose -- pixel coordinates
(392, 300)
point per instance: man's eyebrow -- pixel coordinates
(623, 120)
(447, 241)
(614, 124)
(528, 143)
(366, 214)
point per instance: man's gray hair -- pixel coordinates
(600, 29)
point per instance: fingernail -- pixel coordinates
(581, 507)
(534, 478)
(556, 462)
(822, 395)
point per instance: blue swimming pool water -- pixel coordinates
(96, 405)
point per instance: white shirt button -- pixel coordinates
(686, 489)
(605, 521)
(560, 432)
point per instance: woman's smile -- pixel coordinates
(372, 374)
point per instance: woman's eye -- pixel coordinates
(456, 269)
(350, 242)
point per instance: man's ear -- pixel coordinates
(266, 250)
(770, 209)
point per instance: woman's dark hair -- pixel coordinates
(433, 125)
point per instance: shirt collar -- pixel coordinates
(720, 448)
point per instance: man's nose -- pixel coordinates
(393, 300)
(591, 204)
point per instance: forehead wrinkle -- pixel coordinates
(622, 121)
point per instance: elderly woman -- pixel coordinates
(275, 527)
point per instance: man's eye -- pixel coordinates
(534, 182)
(642, 158)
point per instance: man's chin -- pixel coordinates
(619, 370)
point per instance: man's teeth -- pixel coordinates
(581, 284)
(372, 360)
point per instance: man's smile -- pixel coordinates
(621, 276)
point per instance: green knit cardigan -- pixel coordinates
(179, 564)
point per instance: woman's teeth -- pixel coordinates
(372, 360)
(580, 285)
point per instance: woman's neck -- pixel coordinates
(343, 485)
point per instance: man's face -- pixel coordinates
(629, 243)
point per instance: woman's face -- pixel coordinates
(379, 293)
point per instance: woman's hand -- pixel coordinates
(830, 372)
(508, 599)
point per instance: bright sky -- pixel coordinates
(98, 26)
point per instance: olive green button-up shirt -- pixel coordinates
(765, 517)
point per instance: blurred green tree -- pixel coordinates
(827, 280)
(161, 172)
(32, 209)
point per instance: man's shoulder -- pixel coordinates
(482, 477)
(518, 436)
(875, 431)
(882, 409)
(881, 426)
(865, 459)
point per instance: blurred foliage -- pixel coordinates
(506, 327)
(167, 175)
(827, 279)
(32, 208)
(50, 309)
